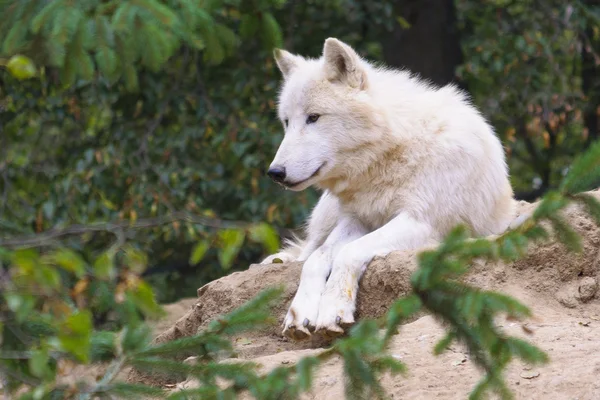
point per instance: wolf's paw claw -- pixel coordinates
(332, 331)
(300, 333)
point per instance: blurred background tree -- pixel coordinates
(153, 122)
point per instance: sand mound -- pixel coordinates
(559, 287)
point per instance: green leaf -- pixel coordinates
(249, 26)
(86, 66)
(271, 32)
(131, 78)
(231, 241)
(104, 267)
(20, 304)
(44, 15)
(38, 363)
(68, 72)
(48, 277)
(266, 235)
(404, 24)
(135, 260)
(69, 261)
(143, 297)
(199, 251)
(104, 32)
(21, 67)
(75, 334)
(15, 39)
(26, 260)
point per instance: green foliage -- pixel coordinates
(61, 330)
(525, 65)
(115, 38)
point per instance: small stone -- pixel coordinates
(566, 298)
(460, 361)
(529, 374)
(587, 289)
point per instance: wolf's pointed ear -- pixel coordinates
(286, 61)
(343, 64)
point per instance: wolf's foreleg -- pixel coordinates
(323, 219)
(338, 301)
(302, 315)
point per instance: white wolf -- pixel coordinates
(400, 163)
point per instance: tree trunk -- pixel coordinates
(431, 45)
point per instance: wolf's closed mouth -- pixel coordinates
(291, 185)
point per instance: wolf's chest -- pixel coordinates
(372, 208)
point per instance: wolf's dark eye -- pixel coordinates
(312, 118)
(286, 122)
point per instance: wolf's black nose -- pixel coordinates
(277, 174)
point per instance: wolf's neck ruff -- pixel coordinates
(356, 175)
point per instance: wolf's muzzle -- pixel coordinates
(277, 174)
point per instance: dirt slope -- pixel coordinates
(559, 287)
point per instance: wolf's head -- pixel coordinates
(327, 113)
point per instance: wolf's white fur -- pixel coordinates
(400, 162)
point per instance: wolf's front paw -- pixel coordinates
(300, 320)
(336, 314)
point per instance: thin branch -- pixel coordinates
(117, 228)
